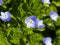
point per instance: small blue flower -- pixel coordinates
(40, 24)
(47, 41)
(53, 15)
(1, 2)
(45, 1)
(5, 16)
(31, 22)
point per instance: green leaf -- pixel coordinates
(3, 39)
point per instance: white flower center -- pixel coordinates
(5, 16)
(47, 42)
(53, 16)
(46, 1)
(31, 21)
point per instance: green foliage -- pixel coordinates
(15, 32)
(3, 39)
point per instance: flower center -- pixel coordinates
(47, 42)
(53, 16)
(31, 21)
(46, 1)
(4, 16)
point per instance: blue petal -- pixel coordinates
(41, 26)
(1, 2)
(52, 12)
(9, 18)
(45, 1)
(42, 1)
(47, 39)
(30, 18)
(34, 25)
(27, 20)
(8, 14)
(33, 18)
(2, 18)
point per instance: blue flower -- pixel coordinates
(45, 1)
(5, 16)
(47, 41)
(40, 24)
(31, 22)
(53, 15)
(1, 2)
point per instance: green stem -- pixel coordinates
(4, 26)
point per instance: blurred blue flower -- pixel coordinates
(40, 24)
(5, 16)
(47, 41)
(1, 2)
(45, 1)
(27, 44)
(31, 22)
(53, 15)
